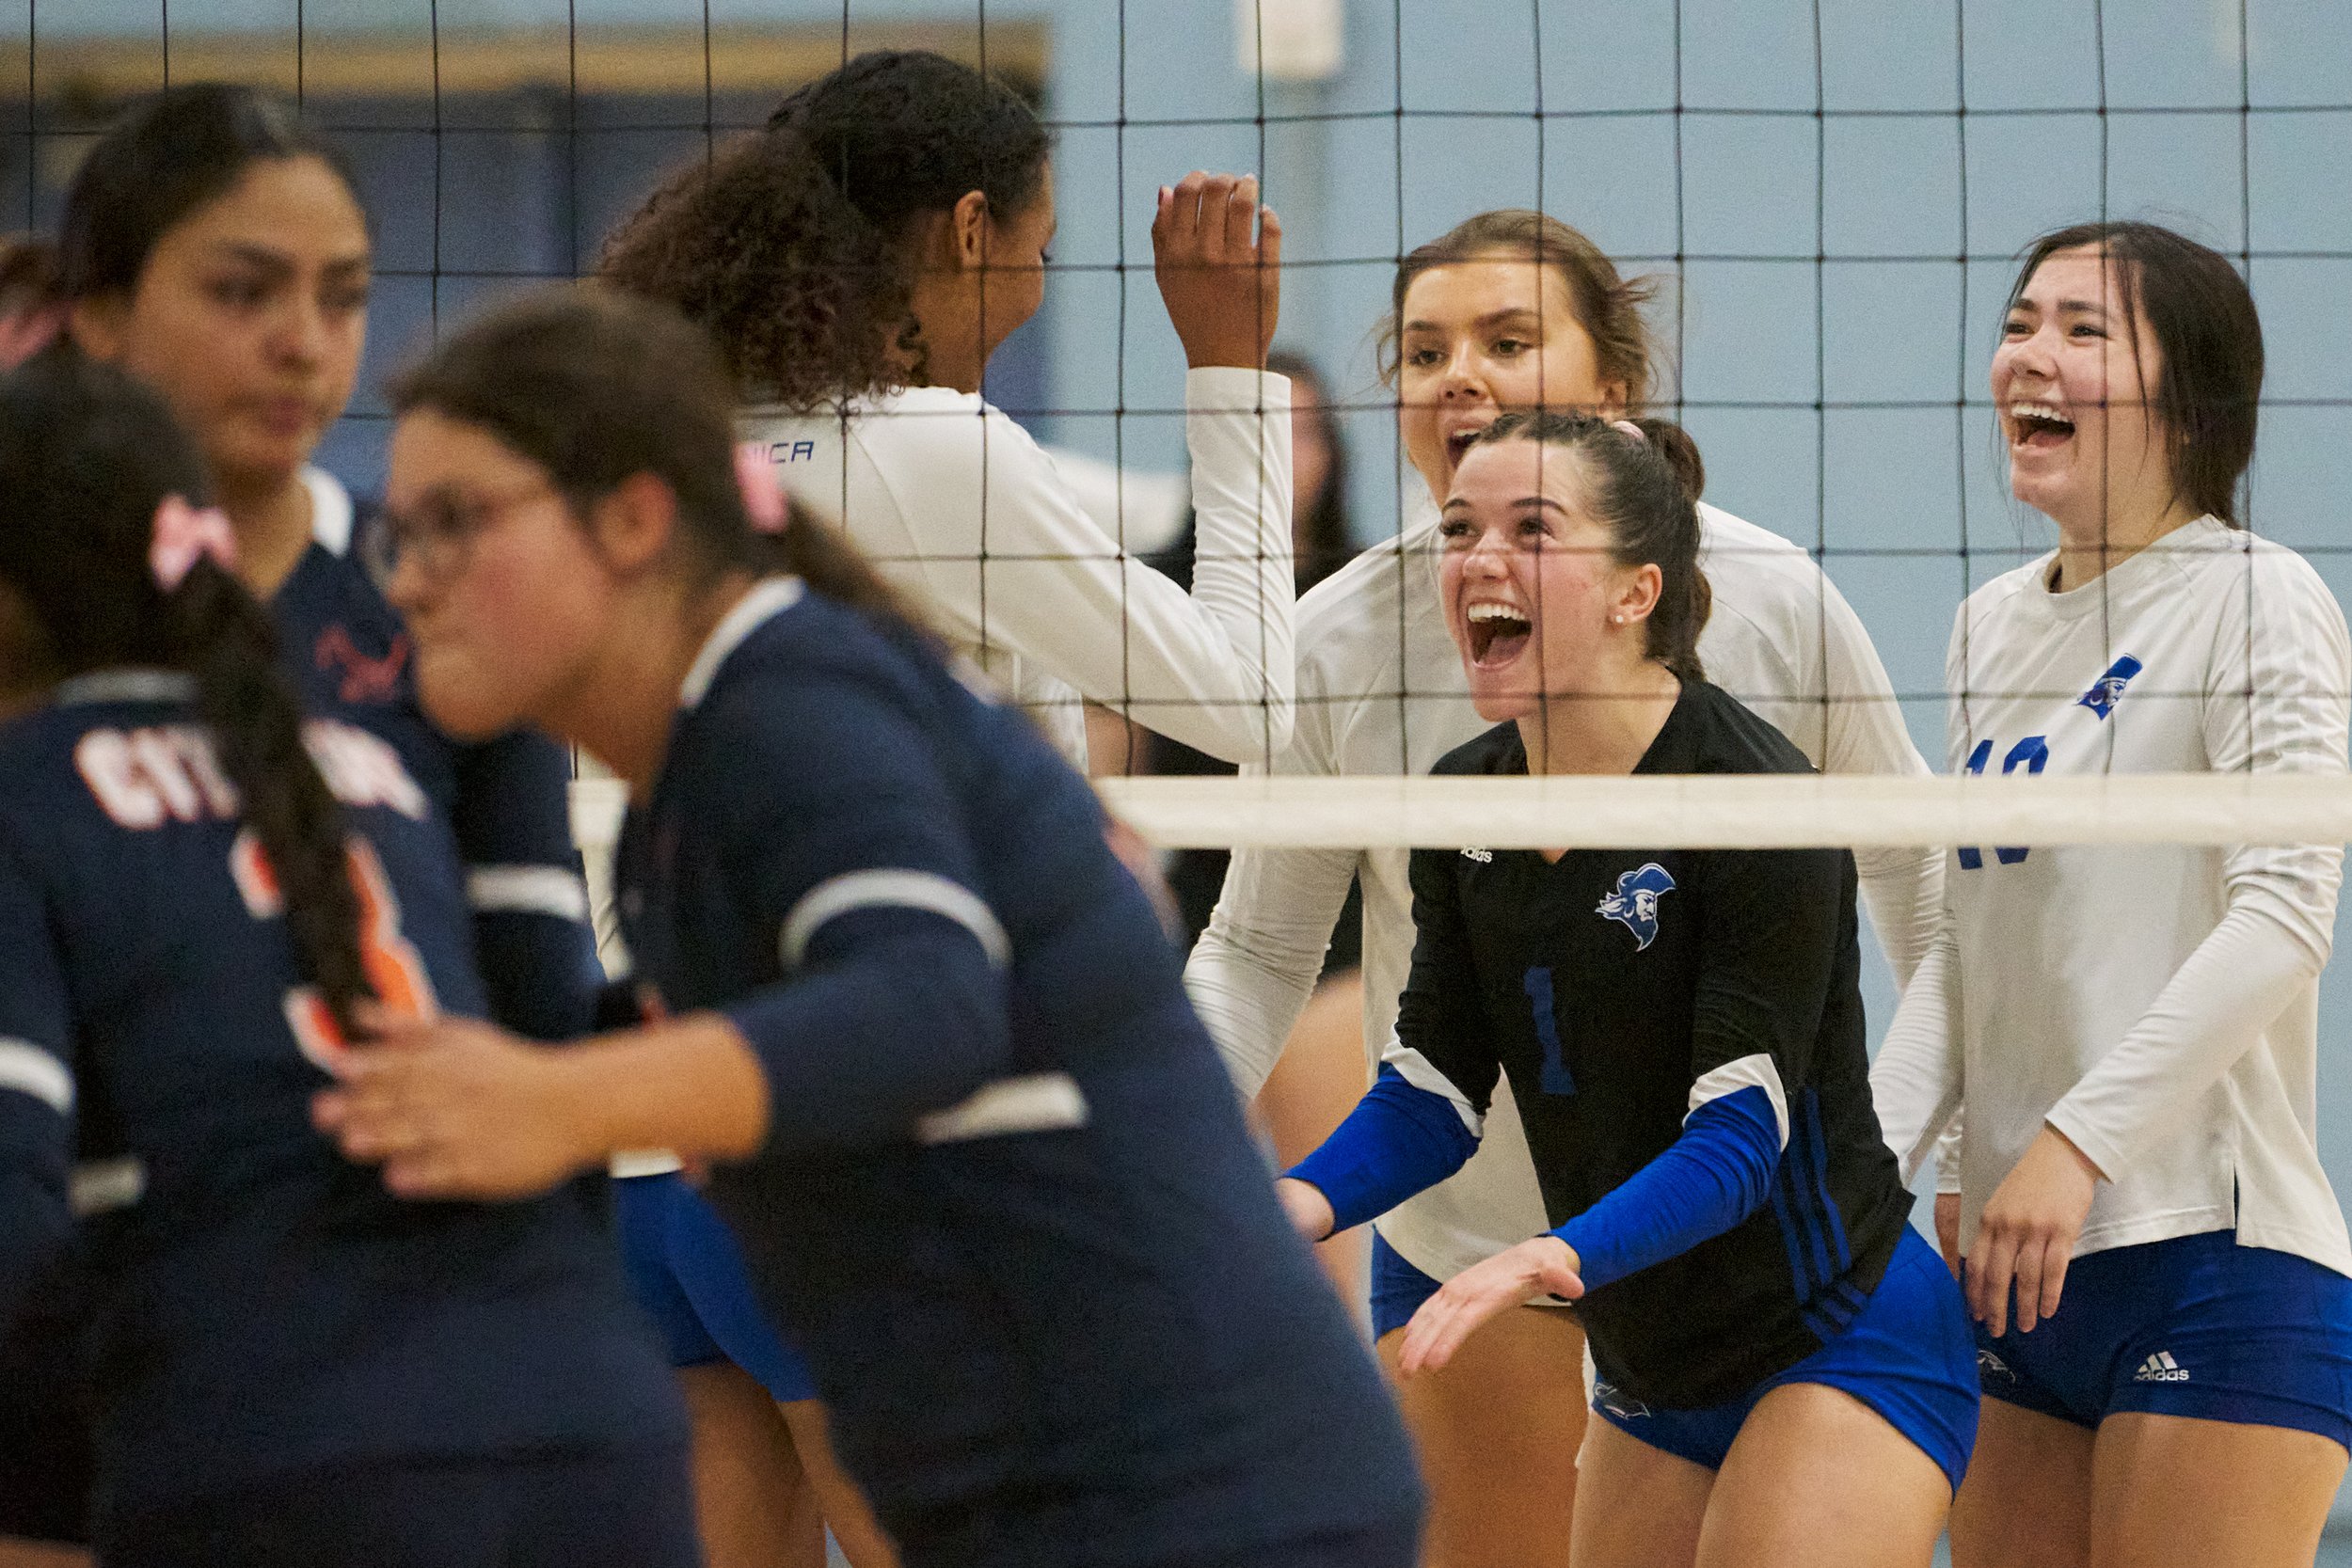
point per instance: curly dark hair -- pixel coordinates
(792, 248)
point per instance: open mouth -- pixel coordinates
(2039, 425)
(1498, 634)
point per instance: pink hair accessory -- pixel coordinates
(1630, 428)
(182, 534)
(763, 493)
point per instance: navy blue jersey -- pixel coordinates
(260, 1306)
(1007, 1205)
(346, 650)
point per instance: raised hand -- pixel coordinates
(1505, 1281)
(1218, 258)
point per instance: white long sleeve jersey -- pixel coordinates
(1381, 690)
(961, 509)
(2159, 1005)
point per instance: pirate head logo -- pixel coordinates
(2107, 689)
(1634, 905)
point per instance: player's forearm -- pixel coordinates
(1398, 1141)
(691, 1084)
(1252, 971)
(1710, 1179)
(1915, 1081)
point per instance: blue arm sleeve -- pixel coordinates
(859, 877)
(1398, 1141)
(536, 949)
(1715, 1175)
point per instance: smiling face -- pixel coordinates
(1534, 599)
(2074, 381)
(250, 317)
(1479, 338)
(506, 598)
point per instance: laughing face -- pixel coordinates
(2074, 381)
(1534, 599)
(1480, 338)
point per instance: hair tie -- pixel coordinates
(1630, 429)
(762, 492)
(182, 534)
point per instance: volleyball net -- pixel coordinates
(1830, 194)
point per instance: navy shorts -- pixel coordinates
(1907, 1355)
(2192, 1325)
(1398, 1289)
(686, 1270)
(627, 1508)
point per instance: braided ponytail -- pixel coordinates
(87, 458)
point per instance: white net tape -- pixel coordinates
(1742, 812)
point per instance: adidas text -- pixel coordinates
(2160, 1367)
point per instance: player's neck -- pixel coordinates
(1606, 732)
(625, 701)
(272, 517)
(2091, 547)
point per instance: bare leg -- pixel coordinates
(847, 1513)
(2168, 1489)
(2026, 1501)
(1498, 1429)
(1641, 1508)
(1817, 1479)
(753, 1499)
(1314, 1084)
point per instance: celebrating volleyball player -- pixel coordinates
(860, 260)
(981, 1159)
(1785, 1373)
(2155, 1257)
(1510, 309)
(211, 245)
(294, 1366)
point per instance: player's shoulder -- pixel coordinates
(1730, 736)
(1498, 751)
(1755, 572)
(1348, 625)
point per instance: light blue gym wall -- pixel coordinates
(1884, 490)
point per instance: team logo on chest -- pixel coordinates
(2107, 689)
(1634, 905)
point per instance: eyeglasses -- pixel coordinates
(438, 534)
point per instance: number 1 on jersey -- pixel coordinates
(393, 966)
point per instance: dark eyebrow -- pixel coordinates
(1490, 319)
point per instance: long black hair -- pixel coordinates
(792, 247)
(87, 456)
(2209, 340)
(169, 156)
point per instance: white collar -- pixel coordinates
(330, 510)
(126, 684)
(768, 598)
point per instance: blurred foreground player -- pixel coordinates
(197, 890)
(981, 1159)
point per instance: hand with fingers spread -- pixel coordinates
(1507, 1279)
(1218, 257)
(2027, 1232)
(455, 1108)
(1309, 1211)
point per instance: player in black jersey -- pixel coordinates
(1785, 1369)
(200, 887)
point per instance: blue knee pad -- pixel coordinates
(688, 1273)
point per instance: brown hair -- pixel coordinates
(597, 387)
(1607, 305)
(2208, 335)
(791, 247)
(1644, 490)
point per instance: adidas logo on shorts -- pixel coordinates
(2160, 1367)
(1484, 857)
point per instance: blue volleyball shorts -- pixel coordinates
(1908, 1355)
(1398, 1289)
(687, 1272)
(2191, 1326)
